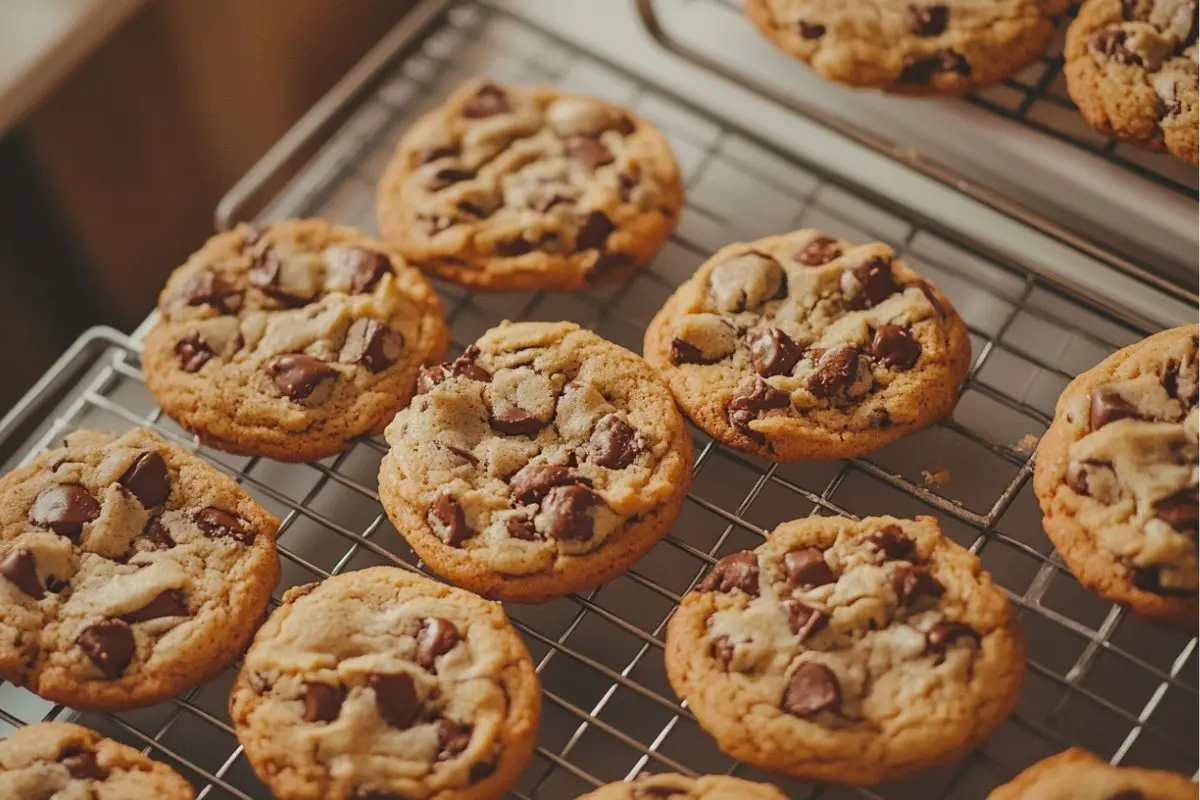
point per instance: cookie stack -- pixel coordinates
(543, 460)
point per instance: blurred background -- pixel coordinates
(122, 122)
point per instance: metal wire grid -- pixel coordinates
(1097, 677)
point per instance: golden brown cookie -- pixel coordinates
(515, 187)
(1078, 775)
(288, 341)
(1116, 477)
(680, 787)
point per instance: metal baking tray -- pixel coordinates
(1039, 312)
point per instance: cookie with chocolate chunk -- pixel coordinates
(290, 340)
(1076, 774)
(851, 652)
(382, 683)
(130, 570)
(1116, 477)
(680, 787)
(916, 48)
(1131, 69)
(805, 346)
(61, 760)
(515, 187)
(541, 461)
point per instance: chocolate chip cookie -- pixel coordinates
(1116, 477)
(514, 187)
(805, 346)
(680, 787)
(852, 652)
(61, 761)
(544, 460)
(288, 341)
(946, 48)
(129, 571)
(381, 683)
(1131, 69)
(1078, 775)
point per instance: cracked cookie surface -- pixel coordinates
(514, 187)
(1131, 69)
(289, 340)
(1076, 774)
(129, 571)
(383, 683)
(804, 346)
(542, 461)
(920, 48)
(1116, 477)
(61, 761)
(844, 651)
(681, 787)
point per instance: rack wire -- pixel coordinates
(1098, 677)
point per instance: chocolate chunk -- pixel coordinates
(109, 645)
(548, 201)
(465, 455)
(452, 739)
(209, 288)
(448, 176)
(614, 443)
(818, 251)
(170, 603)
(1112, 43)
(588, 151)
(147, 479)
(81, 764)
(54, 585)
(807, 567)
(517, 246)
(921, 69)
(192, 352)
(218, 523)
(928, 19)
(516, 422)
(744, 408)
(813, 688)
(462, 367)
(395, 697)
(913, 583)
(521, 528)
(20, 567)
(369, 267)
(942, 635)
(566, 509)
(297, 376)
(1180, 511)
(608, 264)
(435, 153)
(810, 30)
(258, 684)
(1077, 477)
(628, 181)
(876, 283)
(64, 509)
(594, 230)
(489, 101)
(534, 481)
(156, 533)
(267, 276)
(803, 620)
(371, 344)
(722, 650)
(436, 637)
(322, 702)
(1109, 406)
(734, 571)
(473, 209)
(896, 347)
(1147, 578)
(835, 372)
(687, 353)
(893, 543)
(448, 521)
(773, 352)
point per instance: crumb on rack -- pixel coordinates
(939, 477)
(1027, 444)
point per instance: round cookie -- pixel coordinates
(850, 652)
(544, 460)
(382, 683)
(1131, 69)
(61, 760)
(130, 570)
(290, 340)
(804, 346)
(946, 48)
(513, 187)
(1116, 477)
(680, 787)
(1076, 774)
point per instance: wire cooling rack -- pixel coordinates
(1098, 677)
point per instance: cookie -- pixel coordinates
(289, 341)
(680, 787)
(130, 570)
(946, 48)
(849, 652)
(68, 762)
(804, 346)
(1116, 477)
(1078, 775)
(515, 187)
(542, 461)
(381, 683)
(1131, 69)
